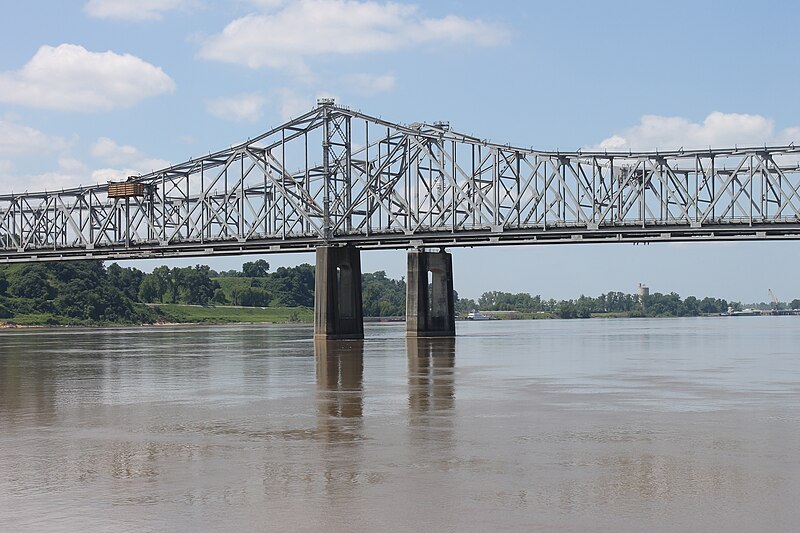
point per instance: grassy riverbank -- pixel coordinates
(177, 314)
(230, 314)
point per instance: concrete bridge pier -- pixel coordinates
(430, 309)
(337, 295)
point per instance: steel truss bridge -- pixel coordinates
(337, 176)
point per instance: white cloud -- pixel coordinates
(108, 151)
(121, 161)
(70, 164)
(133, 10)
(20, 139)
(103, 175)
(369, 84)
(116, 162)
(287, 32)
(70, 78)
(718, 130)
(240, 108)
(269, 4)
(291, 104)
(112, 161)
(70, 173)
(128, 157)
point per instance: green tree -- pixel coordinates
(158, 287)
(383, 296)
(193, 285)
(226, 274)
(149, 290)
(236, 295)
(78, 299)
(91, 272)
(712, 305)
(31, 282)
(658, 304)
(691, 306)
(219, 297)
(292, 287)
(465, 305)
(567, 309)
(506, 301)
(254, 297)
(619, 302)
(255, 269)
(128, 280)
(584, 307)
(71, 291)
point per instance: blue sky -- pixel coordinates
(94, 90)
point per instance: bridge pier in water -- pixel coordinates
(337, 295)
(338, 313)
(430, 309)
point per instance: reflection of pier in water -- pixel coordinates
(431, 387)
(340, 372)
(340, 398)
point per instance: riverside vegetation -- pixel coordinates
(89, 293)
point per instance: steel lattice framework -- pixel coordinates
(338, 176)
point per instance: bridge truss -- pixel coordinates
(336, 176)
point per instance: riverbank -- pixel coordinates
(188, 315)
(176, 314)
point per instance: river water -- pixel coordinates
(594, 425)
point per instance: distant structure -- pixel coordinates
(644, 292)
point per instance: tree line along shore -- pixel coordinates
(90, 293)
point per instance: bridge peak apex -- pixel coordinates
(326, 102)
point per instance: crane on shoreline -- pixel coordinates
(775, 301)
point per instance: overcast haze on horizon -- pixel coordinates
(101, 89)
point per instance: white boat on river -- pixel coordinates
(477, 315)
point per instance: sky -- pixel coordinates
(92, 90)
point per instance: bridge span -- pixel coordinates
(336, 180)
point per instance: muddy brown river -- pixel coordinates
(593, 425)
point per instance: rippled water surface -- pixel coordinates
(597, 425)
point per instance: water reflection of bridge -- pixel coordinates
(340, 403)
(336, 181)
(340, 375)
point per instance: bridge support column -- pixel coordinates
(337, 294)
(430, 309)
